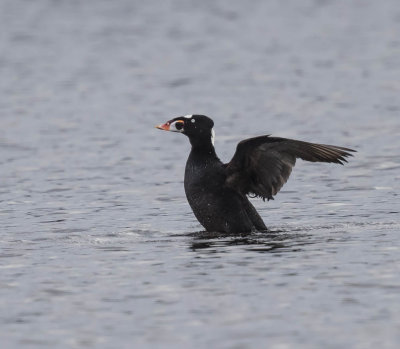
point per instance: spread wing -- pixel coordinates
(262, 165)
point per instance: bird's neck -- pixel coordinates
(203, 146)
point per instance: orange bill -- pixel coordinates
(164, 127)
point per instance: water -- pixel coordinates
(99, 248)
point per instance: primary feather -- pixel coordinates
(262, 165)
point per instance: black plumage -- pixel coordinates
(217, 192)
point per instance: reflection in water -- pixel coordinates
(269, 241)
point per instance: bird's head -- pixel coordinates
(199, 128)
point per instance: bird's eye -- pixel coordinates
(179, 126)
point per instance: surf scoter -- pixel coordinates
(217, 192)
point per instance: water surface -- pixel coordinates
(99, 248)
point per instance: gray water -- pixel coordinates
(99, 248)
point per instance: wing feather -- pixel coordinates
(262, 165)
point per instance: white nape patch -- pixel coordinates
(212, 136)
(188, 116)
(193, 121)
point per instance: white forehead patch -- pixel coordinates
(188, 116)
(212, 136)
